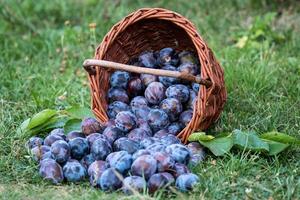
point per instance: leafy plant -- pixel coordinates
(46, 120)
(260, 33)
(270, 143)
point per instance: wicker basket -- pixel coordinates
(153, 29)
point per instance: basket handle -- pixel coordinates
(89, 63)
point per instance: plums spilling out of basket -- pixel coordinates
(137, 149)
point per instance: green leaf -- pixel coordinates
(72, 125)
(276, 147)
(249, 140)
(79, 112)
(219, 146)
(200, 136)
(55, 122)
(40, 118)
(23, 127)
(280, 137)
(242, 42)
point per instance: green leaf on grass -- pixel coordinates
(200, 136)
(249, 140)
(241, 43)
(55, 122)
(23, 127)
(40, 118)
(72, 125)
(219, 146)
(280, 137)
(79, 112)
(276, 147)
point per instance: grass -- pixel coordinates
(43, 44)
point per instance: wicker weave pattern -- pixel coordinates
(153, 29)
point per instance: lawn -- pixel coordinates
(43, 44)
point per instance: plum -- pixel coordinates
(147, 59)
(34, 142)
(138, 134)
(174, 128)
(100, 149)
(115, 107)
(186, 182)
(178, 91)
(112, 134)
(126, 121)
(51, 171)
(126, 144)
(170, 178)
(172, 107)
(156, 182)
(50, 139)
(95, 171)
(110, 122)
(135, 87)
(148, 78)
(196, 87)
(196, 159)
(192, 99)
(94, 136)
(164, 161)
(74, 134)
(139, 102)
(168, 81)
(197, 153)
(117, 94)
(141, 113)
(188, 68)
(144, 125)
(79, 147)
(157, 119)
(39, 151)
(195, 147)
(120, 160)
(119, 79)
(46, 155)
(148, 141)
(167, 56)
(74, 171)
(87, 160)
(179, 153)
(161, 133)
(144, 166)
(58, 131)
(156, 147)
(187, 57)
(110, 180)
(185, 117)
(170, 139)
(179, 169)
(155, 93)
(133, 184)
(140, 153)
(60, 151)
(90, 125)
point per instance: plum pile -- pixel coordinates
(137, 149)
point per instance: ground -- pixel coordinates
(43, 44)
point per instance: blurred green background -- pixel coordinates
(43, 44)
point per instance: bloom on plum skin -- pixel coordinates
(186, 182)
(155, 93)
(119, 79)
